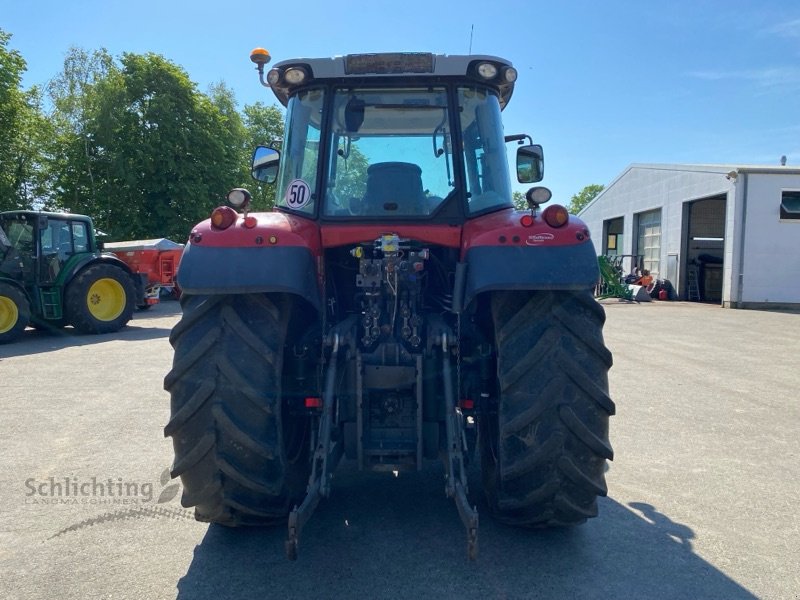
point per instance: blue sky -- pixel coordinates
(602, 84)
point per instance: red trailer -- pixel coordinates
(158, 259)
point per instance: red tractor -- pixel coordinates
(393, 308)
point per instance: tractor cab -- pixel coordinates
(37, 246)
(397, 137)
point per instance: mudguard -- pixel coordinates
(498, 253)
(84, 260)
(232, 270)
(522, 268)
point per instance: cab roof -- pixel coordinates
(40, 213)
(413, 66)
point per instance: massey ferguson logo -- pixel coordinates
(539, 238)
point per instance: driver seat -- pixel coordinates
(394, 188)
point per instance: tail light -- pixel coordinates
(223, 217)
(313, 402)
(556, 216)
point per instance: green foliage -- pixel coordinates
(129, 141)
(579, 201)
(140, 149)
(520, 203)
(71, 166)
(264, 127)
(23, 130)
(351, 178)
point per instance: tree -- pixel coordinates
(72, 165)
(579, 201)
(224, 99)
(22, 132)
(144, 152)
(264, 126)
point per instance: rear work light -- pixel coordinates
(509, 74)
(239, 198)
(487, 70)
(556, 216)
(274, 76)
(223, 217)
(295, 75)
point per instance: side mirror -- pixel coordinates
(530, 163)
(265, 164)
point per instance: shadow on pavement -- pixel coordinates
(138, 329)
(385, 537)
(165, 308)
(35, 342)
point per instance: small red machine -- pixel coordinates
(158, 259)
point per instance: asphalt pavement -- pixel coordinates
(703, 498)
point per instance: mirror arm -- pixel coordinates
(519, 138)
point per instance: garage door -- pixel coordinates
(648, 242)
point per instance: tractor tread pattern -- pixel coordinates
(226, 410)
(547, 466)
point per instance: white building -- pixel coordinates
(734, 229)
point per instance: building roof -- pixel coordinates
(699, 168)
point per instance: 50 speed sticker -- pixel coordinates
(298, 194)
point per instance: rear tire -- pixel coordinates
(100, 299)
(15, 313)
(544, 450)
(240, 459)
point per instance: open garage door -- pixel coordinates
(704, 248)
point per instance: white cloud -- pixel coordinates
(785, 29)
(766, 78)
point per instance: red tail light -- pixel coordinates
(467, 404)
(556, 216)
(312, 402)
(526, 220)
(223, 217)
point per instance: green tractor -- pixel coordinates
(52, 273)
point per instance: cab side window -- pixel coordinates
(80, 239)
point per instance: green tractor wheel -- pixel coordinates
(15, 312)
(100, 299)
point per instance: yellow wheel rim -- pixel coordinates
(9, 314)
(106, 299)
